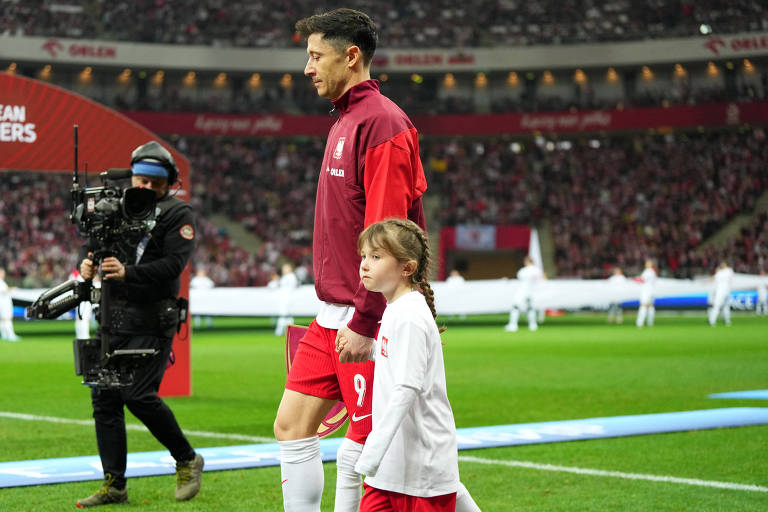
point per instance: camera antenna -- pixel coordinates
(74, 177)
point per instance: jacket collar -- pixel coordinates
(355, 94)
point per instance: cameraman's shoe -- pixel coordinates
(189, 477)
(105, 496)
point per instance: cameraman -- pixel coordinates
(144, 315)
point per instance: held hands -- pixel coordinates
(353, 347)
(111, 266)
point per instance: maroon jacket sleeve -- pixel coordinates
(394, 180)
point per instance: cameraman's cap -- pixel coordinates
(151, 159)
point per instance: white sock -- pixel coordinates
(514, 315)
(727, 313)
(301, 473)
(651, 313)
(532, 325)
(712, 315)
(464, 501)
(6, 329)
(641, 315)
(349, 484)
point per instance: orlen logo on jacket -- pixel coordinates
(55, 48)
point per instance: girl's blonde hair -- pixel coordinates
(406, 241)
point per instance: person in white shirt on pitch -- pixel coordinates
(617, 280)
(455, 279)
(761, 308)
(527, 277)
(6, 311)
(288, 283)
(646, 310)
(410, 459)
(201, 281)
(721, 301)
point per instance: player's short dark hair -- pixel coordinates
(342, 28)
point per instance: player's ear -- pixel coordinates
(354, 55)
(409, 267)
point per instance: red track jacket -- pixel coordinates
(371, 171)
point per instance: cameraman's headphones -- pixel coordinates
(152, 152)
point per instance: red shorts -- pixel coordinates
(376, 500)
(316, 371)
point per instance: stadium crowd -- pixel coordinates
(403, 23)
(609, 200)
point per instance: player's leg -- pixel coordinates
(532, 325)
(349, 484)
(301, 463)
(311, 390)
(727, 312)
(651, 314)
(514, 316)
(356, 383)
(642, 312)
(4, 334)
(712, 315)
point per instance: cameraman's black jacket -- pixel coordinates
(156, 276)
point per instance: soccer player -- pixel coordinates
(414, 432)
(721, 300)
(287, 284)
(6, 311)
(202, 281)
(617, 280)
(647, 311)
(371, 171)
(528, 276)
(761, 308)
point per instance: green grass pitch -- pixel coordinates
(574, 366)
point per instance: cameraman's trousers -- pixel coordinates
(142, 400)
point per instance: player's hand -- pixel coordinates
(357, 347)
(341, 342)
(113, 268)
(86, 267)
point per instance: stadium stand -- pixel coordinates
(610, 200)
(444, 23)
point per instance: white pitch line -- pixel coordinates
(616, 474)
(141, 428)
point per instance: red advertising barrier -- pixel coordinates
(36, 122)
(245, 125)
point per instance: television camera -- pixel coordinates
(115, 220)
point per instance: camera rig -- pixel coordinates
(114, 220)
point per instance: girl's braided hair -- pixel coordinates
(406, 241)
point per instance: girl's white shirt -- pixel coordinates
(412, 446)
